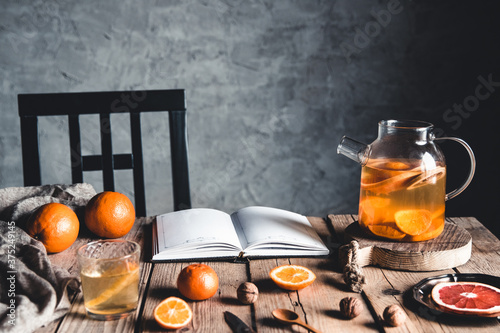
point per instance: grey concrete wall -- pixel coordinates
(271, 86)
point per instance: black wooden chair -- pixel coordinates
(32, 106)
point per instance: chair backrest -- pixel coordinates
(32, 106)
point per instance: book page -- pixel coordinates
(272, 229)
(190, 229)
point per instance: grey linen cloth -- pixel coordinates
(33, 292)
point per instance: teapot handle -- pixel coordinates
(459, 190)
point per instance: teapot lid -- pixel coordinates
(406, 124)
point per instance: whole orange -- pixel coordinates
(55, 225)
(109, 214)
(198, 282)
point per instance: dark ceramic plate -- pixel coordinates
(422, 290)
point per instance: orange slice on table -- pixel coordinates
(469, 298)
(173, 313)
(413, 222)
(292, 277)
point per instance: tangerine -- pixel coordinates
(55, 225)
(198, 282)
(110, 214)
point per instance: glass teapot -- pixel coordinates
(403, 181)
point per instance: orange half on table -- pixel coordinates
(173, 313)
(292, 277)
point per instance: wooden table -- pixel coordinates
(316, 304)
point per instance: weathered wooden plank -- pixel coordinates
(339, 223)
(485, 257)
(318, 304)
(385, 287)
(206, 314)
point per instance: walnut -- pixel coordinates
(394, 315)
(247, 293)
(350, 307)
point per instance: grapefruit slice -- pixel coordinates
(467, 298)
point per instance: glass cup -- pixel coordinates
(109, 270)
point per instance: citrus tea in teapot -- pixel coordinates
(399, 200)
(403, 181)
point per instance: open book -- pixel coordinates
(203, 233)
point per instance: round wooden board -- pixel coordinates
(450, 249)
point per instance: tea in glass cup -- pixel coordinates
(109, 270)
(401, 200)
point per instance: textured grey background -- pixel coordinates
(271, 87)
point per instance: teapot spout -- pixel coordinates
(354, 150)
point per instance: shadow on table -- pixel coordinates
(232, 301)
